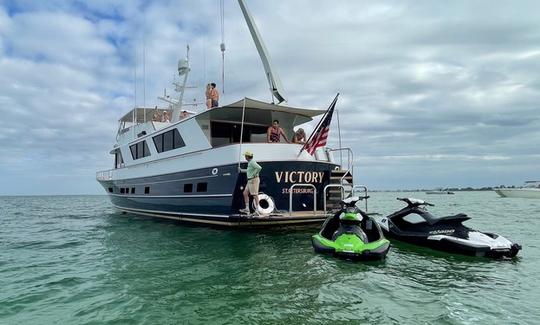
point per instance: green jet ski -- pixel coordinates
(351, 234)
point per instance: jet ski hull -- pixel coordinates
(458, 246)
(368, 252)
(413, 224)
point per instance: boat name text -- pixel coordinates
(299, 177)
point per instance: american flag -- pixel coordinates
(320, 135)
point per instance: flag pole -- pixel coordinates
(319, 124)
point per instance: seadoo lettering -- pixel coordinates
(299, 177)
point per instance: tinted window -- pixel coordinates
(118, 160)
(168, 141)
(158, 141)
(225, 133)
(188, 188)
(201, 187)
(133, 190)
(139, 150)
(178, 141)
(133, 149)
(122, 190)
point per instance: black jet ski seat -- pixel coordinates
(460, 217)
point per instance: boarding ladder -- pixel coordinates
(341, 183)
(340, 186)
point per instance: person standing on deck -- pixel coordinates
(214, 95)
(275, 132)
(253, 181)
(208, 96)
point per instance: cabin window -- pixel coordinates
(188, 188)
(147, 190)
(169, 140)
(133, 190)
(139, 150)
(118, 160)
(202, 187)
(225, 133)
(110, 189)
(122, 190)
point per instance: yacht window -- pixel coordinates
(122, 190)
(110, 189)
(168, 141)
(225, 133)
(139, 150)
(201, 187)
(118, 160)
(147, 190)
(133, 190)
(188, 188)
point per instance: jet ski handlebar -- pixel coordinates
(414, 202)
(351, 201)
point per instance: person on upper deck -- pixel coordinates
(184, 114)
(155, 116)
(299, 136)
(214, 95)
(274, 133)
(165, 117)
(208, 96)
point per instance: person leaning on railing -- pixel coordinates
(275, 132)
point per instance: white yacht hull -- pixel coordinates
(212, 193)
(527, 193)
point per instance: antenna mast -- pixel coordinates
(222, 46)
(183, 70)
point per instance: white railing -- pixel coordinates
(350, 158)
(105, 175)
(365, 194)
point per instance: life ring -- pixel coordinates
(266, 204)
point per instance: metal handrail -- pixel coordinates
(324, 193)
(365, 193)
(314, 196)
(350, 158)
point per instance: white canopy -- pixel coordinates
(250, 103)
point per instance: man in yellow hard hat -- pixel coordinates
(252, 186)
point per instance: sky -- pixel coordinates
(432, 93)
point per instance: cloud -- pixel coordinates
(431, 93)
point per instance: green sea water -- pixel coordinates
(75, 260)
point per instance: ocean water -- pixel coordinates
(75, 260)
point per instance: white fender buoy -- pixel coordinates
(266, 204)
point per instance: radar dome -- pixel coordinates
(183, 67)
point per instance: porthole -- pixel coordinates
(214, 171)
